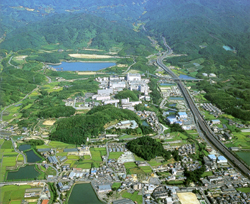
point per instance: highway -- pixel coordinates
(200, 120)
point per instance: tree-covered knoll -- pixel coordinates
(76, 129)
(148, 148)
(16, 83)
(74, 31)
(132, 95)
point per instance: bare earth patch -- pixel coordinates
(21, 57)
(86, 73)
(188, 198)
(122, 65)
(49, 122)
(90, 56)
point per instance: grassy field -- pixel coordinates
(132, 168)
(7, 145)
(115, 155)
(1, 141)
(96, 154)
(12, 194)
(84, 165)
(116, 185)
(244, 190)
(207, 173)
(154, 163)
(134, 197)
(146, 169)
(9, 161)
(86, 157)
(138, 158)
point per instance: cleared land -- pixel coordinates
(86, 73)
(115, 155)
(49, 122)
(188, 198)
(90, 56)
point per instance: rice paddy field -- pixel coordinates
(8, 157)
(12, 194)
(134, 197)
(115, 155)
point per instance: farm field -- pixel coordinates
(115, 155)
(132, 168)
(134, 197)
(12, 193)
(146, 169)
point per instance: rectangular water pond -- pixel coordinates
(24, 147)
(32, 157)
(27, 172)
(83, 193)
(82, 66)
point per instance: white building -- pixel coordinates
(111, 101)
(221, 160)
(133, 77)
(120, 84)
(105, 91)
(205, 74)
(182, 115)
(102, 97)
(212, 75)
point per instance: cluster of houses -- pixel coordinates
(182, 119)
(186, 149)
(150, 117)
(116, 147)
(211, 108)
(166, 194)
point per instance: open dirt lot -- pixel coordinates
(89, 56)
(21, 57)
(49, 122)
(86, 73)
(188, 198)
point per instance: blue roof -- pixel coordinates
(178, 122)
(171, 117)
(182, 113)
(222, 158)
(212, 156)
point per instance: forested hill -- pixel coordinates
(18, 13)
(73, 31)
(189, 24)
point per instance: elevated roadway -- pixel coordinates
(209, 135)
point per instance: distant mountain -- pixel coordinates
(189, 24)
(73, 31)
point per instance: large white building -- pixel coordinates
(182, 115)
(105, 91)
(133, 77)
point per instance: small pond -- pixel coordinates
(83, 193)
(24, 147)
(176, 98)
(27, 172)
(182, 76)
(83, 66)
(172, 105)
(32, 157)
(144, 123)
(227, 48)
(244, 156)
(167, 84)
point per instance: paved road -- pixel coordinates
(200, 120)
(130, 66)
(16, 150)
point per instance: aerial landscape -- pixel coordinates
(122, 102)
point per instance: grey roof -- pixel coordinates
(71, 150)
(104, 187)
(43, 150)
(123, 201)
